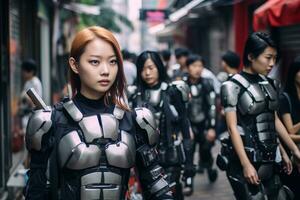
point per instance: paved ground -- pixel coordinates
(203, 190)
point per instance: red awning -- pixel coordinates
(277, 13)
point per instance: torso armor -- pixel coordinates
(202, 106)
(95, 153)
(255, 102)
(98, 143)
(160, 100)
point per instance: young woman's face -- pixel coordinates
(195, 69)
(264, 62)
(150, 73)
(97, 68)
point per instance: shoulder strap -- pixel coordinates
(239, 79)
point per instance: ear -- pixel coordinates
(250, 57)
(73, 65)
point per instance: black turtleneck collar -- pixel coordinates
(252, 78)
(88, 106)
(155, 87)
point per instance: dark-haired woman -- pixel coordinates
(290, 115)
(167, 102)
(250, 101)
(92, 140)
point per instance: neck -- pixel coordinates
(232, 71)
(193, 80)
(91, 94)
(249, 70)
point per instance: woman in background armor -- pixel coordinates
(250, 101)
(168, 103)
(91, 141)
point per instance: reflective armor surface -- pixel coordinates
(168, 103)
(202, 106)
(255, 104)
(95, 150)
(255, 100)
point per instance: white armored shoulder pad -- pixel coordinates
(145, 119)
(229, 94)
(39, 124)
(183, 88)
(131, 90)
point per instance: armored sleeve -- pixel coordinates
(211, 103)
(229, 95)
(39, 143)
(150, 172)
(179, 95)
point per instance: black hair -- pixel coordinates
(165, 54)
(294, 68)
(140, 61)
(29, 65)
(256, 43)
(126, 54)
(231, 59)
(193, 58)
(179, 52)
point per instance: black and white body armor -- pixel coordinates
(255, 104)
(168, 103)
(96, 150)
(202, 106)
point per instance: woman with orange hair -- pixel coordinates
(89, 143)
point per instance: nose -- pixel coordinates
(104, 69)
(272, 62)
(148, 71)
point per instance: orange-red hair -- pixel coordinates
(116, 94)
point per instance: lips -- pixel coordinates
(104, 82)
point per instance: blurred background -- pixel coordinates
(43, 30)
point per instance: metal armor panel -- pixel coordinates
(183, 88)
(229, 94)
(110, 126)
(153, 96)
(91, 128)
(74, 154)
(73, 111)
(252, 101)
(146, 121)
(196, 112)
(39, 124)
(272, 94)
(122, 154)
(93, 184)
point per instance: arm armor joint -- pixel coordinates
(39, 124)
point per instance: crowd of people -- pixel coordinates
(141, 112)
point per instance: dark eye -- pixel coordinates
(94, 62)
(113, 62)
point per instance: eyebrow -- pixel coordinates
(101, 56)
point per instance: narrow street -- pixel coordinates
(220, 190)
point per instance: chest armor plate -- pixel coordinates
(100, 136)
(196, 110)
(153, 97)
(257, 98)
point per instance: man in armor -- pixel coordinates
(202, 113)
